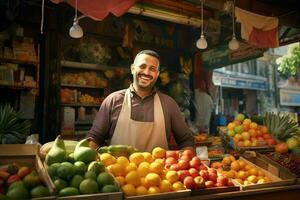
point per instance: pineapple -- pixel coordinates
(12, 128)
(281, 126)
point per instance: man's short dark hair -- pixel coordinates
(150, 53)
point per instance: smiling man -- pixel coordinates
(140, 115)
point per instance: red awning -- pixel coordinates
(99, 9)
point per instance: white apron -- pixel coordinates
(142, 135)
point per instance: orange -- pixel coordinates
(131, 167)
(253, 171)
(152, 179)
(165, 186)
(241, 174)
(118, 169)
(264, 129)
(242, 164)
(133, 178)
(141, 190)
(247, 167)
(235, 166)
(253, 125)
(247, 121)
(153, 190)
(121, 180)
(231, 126)
(136, 158)
(129, 190)
(158, 152)
(226, 160)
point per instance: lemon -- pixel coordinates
(172, 176)
(143, 169)
(156, 167)
(131, 167)
(118, 169)
(152, 179)
(123, 160)
(158, 152)
(136, 158)
(153, 190)
(107, 159)
(178, 186)
(121, 180)
(148, 157)
(141, 190)
(165, 186)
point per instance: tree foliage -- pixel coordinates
(289, 63)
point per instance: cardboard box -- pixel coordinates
(26, 155)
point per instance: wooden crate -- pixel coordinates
(27, 155)
(215, 190)
(275, 168)
(95, 196)
(223, 133)
(275, 180)
(162, 196)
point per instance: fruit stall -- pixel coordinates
(254, 163)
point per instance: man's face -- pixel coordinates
(145, 71)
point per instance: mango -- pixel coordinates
(88, 186)
(39, 191)
(66, 170)
(17, 192)
(68, 191)
(57, 153)
(84, 153)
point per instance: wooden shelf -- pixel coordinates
(80, 86)
(78, 105)
(83, 122)
(18, 61)
(88, 66)
(18, 87)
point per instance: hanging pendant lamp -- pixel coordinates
(76, 31)
(201, 42)
(233, 43)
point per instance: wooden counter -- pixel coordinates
(289, 192)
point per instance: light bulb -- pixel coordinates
(76, 31)
(201, 42)
(233, 44)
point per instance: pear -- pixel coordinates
(57, 153)
(83, 152)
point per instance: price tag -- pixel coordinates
(273, 170)
(202, 152)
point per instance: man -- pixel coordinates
(141, 116)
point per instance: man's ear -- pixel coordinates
(132, 68)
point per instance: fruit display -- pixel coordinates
(246, 133)
(241, 171)
(287, 160)
(78, 172)
(84, 79)
(161, 171)
(21, 182)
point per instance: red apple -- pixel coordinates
(213, 170)
(189, 153)
(173, 154)
(222, 180)
(174, 167)
(12, 179)
(213, 177)
(170, 161)
(204, 174)
(202, 167)
(209, 184)
(182, 174)
(193, 172)
(183, 164)
(195, 162)
(189, 182)
(199, 182)
(23, 171)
